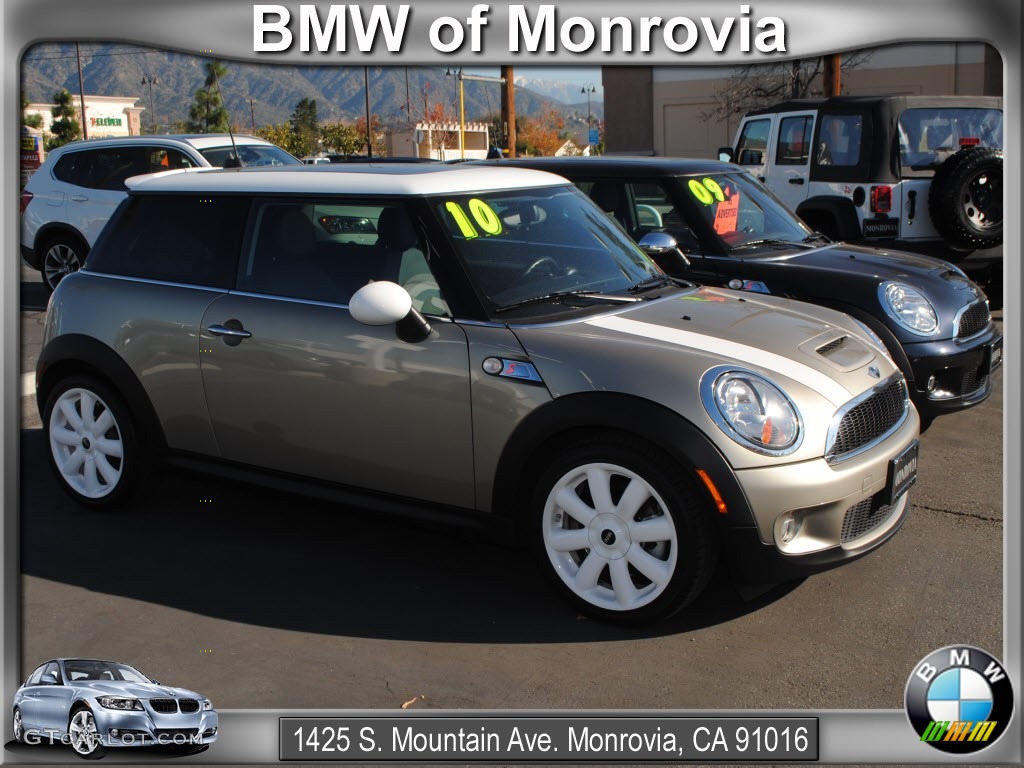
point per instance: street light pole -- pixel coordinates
(151, 81)
(462, 103)
(588, 90)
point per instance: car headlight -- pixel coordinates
(207, 705)
(123, 703)
(752, 411)
(908, 307)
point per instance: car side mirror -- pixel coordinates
(725, 154)
(49, 678)
(751, 157)
(663, 250)
(383, 303)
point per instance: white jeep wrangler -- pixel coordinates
(921, 173)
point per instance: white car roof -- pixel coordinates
(371, 179)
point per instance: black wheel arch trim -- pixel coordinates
(840, 209)
(75, 353)
(47, 232)
(577, 414)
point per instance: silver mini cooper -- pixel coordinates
(483, 344)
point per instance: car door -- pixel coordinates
(54, 699)
(29, 704)
(294, 384)
(753, 140)
(790, 163)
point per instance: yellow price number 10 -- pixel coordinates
(482, 214)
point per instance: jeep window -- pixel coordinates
(327, 250)
(839, 140)
(742, 213)
(794, 140)
(522, 245)
(753, 142)
(252, 155)
(173, 238)
(928, 136)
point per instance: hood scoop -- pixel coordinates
(841, 350)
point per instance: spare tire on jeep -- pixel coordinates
(966, 198)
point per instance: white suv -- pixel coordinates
(921, 173)
(68, 200)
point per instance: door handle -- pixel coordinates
(79, 198)
(234, 333)
(796, 180)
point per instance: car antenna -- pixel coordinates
(236, 161)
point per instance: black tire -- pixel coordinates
(965, 199)
(85, 744)
(17, 726)
(824, 224)
(112, 480)
(60, 255)
(678, 560)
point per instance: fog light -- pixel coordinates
(789, 526)
(931, 384)
(114, 732)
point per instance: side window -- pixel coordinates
(174, 238)
(794, 140)
(839, 140)
(36, 676)
(655, 211)
(753, 143)
(74, 168)
(112, 166)
(328, 250)
(167, 159)
(51, 675)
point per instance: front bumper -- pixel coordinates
(962, 371)
(148, 729)
(842, 510)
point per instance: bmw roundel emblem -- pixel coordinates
(959, 699)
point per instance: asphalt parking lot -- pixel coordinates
(263, 600)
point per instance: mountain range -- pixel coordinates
(260, 94)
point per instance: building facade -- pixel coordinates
(104, 115)
(664, 110)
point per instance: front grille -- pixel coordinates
(863, 518)
(870, 419)
(164, 706)
(973, 320)
(188, 706)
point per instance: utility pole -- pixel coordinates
(369, 140)
(508, 108)
(151, 81)
(81, 92)
(252, 113)
(832, 73)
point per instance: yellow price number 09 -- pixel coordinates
(706, 191)
(483, 215)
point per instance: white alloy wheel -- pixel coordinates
(85, 739)
(59, 261)
(610, 537)
(19, 728)
(86, 443)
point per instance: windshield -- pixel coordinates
(252, 155)
(929, 136)
(88, 669)
(742, 213)
(522, 245)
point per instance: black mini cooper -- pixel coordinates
(713, 223)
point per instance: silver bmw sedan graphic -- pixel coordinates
(91, 705)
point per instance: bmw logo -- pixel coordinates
(959, 699)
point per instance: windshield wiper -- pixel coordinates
(557, 295)
(772, 241)
(656, 281)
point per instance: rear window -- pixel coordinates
(928, 136)
(174, 238)
(108, 167)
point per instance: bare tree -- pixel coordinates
(761, 85)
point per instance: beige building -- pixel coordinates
(441, 141)
(104, 115)
(661, 110)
